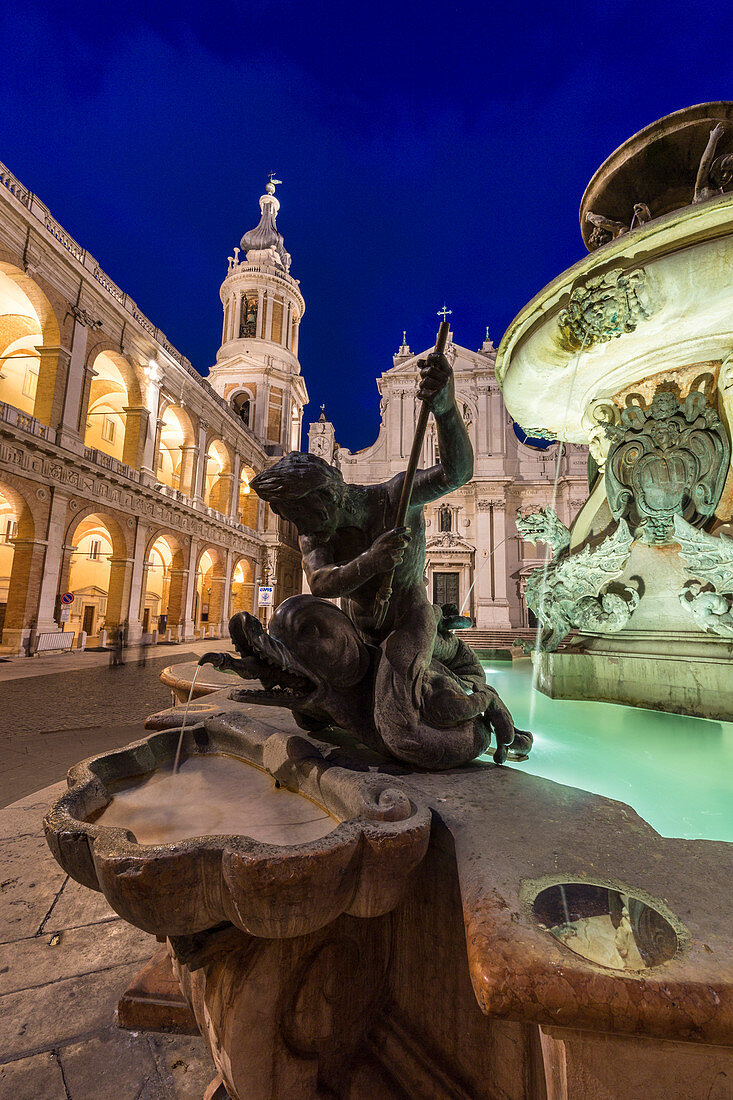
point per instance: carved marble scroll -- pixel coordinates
(709, 596)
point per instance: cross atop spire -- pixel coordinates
(444, 312)
(270, 186)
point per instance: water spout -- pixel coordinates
(185, 716)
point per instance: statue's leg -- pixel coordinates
(422, 714)
(406, 654)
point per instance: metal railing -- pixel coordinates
(61, 641)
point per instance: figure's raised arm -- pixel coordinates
(456, 453)
(702, 183)
(329, 580)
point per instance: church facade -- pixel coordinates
(124, 474)
(475, 557)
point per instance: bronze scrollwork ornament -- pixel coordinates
(668, 459)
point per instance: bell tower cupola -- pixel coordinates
(257, 369)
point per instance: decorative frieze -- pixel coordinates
(606, 307)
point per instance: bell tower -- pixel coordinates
(257, 369)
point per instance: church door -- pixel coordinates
(445, 588)
(88, 622)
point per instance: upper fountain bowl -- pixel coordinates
(651, 305)
(656, 166)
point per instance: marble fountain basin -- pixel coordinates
(466, 970)
(257, 829)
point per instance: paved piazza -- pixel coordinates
(63, 714)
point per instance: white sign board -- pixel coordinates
(265, 597)
(65, 614)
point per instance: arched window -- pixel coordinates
(242, 405)
(446, 519)
(248, 325)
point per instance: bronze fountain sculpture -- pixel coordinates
(387, 668)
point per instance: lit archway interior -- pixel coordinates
(247, 504)
(217, 467)
(172, 438)
(89, 575)
(20, 336)
(8, 531)
(204, 574)
(108, 399)
(242, 586)
(157, 587)
(243, 406)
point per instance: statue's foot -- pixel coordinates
(521, 746)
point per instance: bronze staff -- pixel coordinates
(381, 602)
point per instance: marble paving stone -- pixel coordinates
(36, 1078)
(66, 1010)
(30, 879)
(77, 906)
(184, 1063)
(24, 818)
(116, 1065)
(32, 962)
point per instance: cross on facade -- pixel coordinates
(444, 312)
(271, 176)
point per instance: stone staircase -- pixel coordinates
(497, 638)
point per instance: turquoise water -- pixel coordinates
(676, 772)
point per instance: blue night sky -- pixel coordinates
(428, 152)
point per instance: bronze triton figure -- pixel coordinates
(392, 678)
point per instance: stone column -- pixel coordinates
(57, 564)
(70, 434)
(296, 333)
(219, 599)
(259, 329)
(236, 323)
(149, 465)
(202, 458)
(189, 461)
(178, 585)
(89, 376)
(136, 433)
(268, 318)
(25, 583)
(500, 560)
(498, 438)
(138, 585)
(118, 593)
(187, 633)
(51, 386)
(233, 510)
(222, 493)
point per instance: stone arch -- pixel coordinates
(242, 401)
(218, 475)
(21, 563)
(242, 584)
(116, 421)
(175, 461)
(29, 346)
(163, 586)
(210, 597)
(97, 568)
(247, 501)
